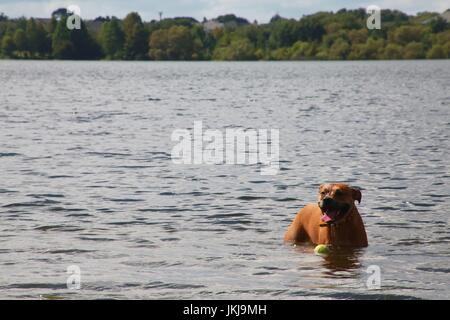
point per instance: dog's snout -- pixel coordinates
(327, 201)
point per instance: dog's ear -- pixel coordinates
(356, 195)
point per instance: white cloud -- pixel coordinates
(262, 10)
(414, 6)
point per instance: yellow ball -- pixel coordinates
(321, 249)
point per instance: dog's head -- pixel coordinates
(336, 200)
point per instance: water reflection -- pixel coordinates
(342, 259)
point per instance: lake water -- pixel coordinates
(87, 179)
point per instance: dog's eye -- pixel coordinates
(322, 193)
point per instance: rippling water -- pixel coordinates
(87, 179)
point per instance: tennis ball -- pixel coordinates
(321, 249)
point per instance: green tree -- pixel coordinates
(73, 44)
(283, 33)
(357, 36)
(280, 54)
(20, 40)
(38, 41)
(135, 37)
(176, 43)
(302, 50)
(441, 38)
(3, 17)
(310, 28)
(52, 25)
(32, 36)
(45, 41)
(238, 49)
(322, 53)
(180, 43)
(414, 50)
(394, 17)
(85, 46)
(8, 46)
(62, 46)
(392, 52)
(436, 52)
(112, 39)
(232, 19)
(406, 34)
(203, 43)
(59, 13)
(339, 50)
(158, 45)
(446, 48)
(438, 25)
(372, 49)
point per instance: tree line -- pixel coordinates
(340, 35)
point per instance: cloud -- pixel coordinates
(414, 6)
(261, 10)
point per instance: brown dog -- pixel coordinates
(335, 220)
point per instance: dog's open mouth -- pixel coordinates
(335, 213)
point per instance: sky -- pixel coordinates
(260, 10)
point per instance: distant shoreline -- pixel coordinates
(323, 36)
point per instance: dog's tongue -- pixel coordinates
(329, 216)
